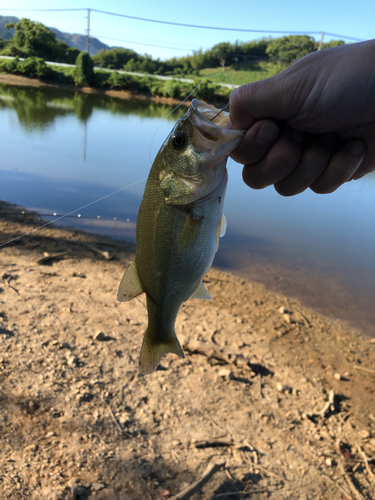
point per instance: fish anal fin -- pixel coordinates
(130, 285)
(221, 230)
(201, 293)
(152, 351)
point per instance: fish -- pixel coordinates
(179, 223)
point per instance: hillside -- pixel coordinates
(72, 39)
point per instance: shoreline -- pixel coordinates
(292, 386)
(119, 94)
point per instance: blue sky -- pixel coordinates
(344, 17)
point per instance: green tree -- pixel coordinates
(333, 43)
(289, 49)
(36, 40)
(84, 72)
(31, 39)
(222, 53)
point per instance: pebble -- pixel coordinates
(364, 434)
(372, 341)
(72, 360)
(288, 318)
(97, 486)
(337, 376)
(283, 310)
(282, 388)
(100, 336)
(226, 373)
(50, 434)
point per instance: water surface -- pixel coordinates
(62, 150)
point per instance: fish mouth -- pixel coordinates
(211, 132)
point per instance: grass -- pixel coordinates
(244, 73)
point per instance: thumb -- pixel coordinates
(266, 99)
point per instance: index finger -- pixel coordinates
(256, 142)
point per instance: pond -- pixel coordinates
(62, 150)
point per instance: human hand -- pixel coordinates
(313, 125)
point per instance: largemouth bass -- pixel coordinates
(179, 224)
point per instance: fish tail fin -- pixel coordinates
(152, 351)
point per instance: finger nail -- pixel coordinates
(266, 134)
(356, 148)
(298, 136)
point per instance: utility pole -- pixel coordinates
(88, 31)
(321, 41)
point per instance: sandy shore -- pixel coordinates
(281, 397)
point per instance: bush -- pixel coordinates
(172, 88)
(34, 67)
(117, 80)
(11, 66)
(84, 74)
(101, 78)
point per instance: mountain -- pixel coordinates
(80, 41)
(73, 40)
(4, 33)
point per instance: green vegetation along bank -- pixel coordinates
(239, 62)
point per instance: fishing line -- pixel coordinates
(126, 187)
(186, 98)
(212, 119)
(79, 216)
(72, 212)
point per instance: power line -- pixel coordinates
(171, 23)
(140, 43)
(146, 39)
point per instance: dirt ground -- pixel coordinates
(272, 400)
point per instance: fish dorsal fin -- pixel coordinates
(130, 285)
(201, 293)
(152, 351)
(221, 229)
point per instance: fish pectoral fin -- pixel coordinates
(190, 231)
(152, 351)
(221, 230)
(130, 285)
(201, 293)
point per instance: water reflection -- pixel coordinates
(64, 149)
(38, 108)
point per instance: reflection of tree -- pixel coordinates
(83, 106)
(31, 106)
(38, 108)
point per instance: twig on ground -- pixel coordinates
(249, 492)
(175, 456)
(213, 443)
(326, 407)
(267, 471)
(47, 258)
(338, 486)
(106, 255)
(354, 490)
(12, 287)
(365, 459)
(197, 485)
(211, 351)
(121, 431)
(364, 369)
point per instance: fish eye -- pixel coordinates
(179, 140)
